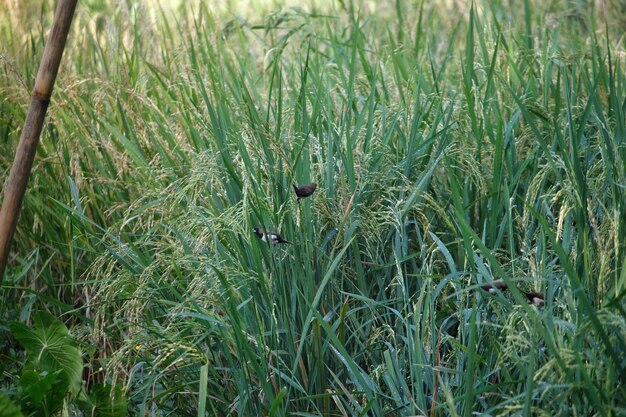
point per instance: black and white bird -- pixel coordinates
(491, 287)
(304, 190)
(271, 237)
(536, 298)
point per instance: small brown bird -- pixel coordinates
(536, 298)
(271, 237)
(304, 190)
(491, 288)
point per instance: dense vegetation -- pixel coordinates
(453, 145)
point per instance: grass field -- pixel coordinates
(453, 144)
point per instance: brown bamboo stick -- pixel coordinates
(20, 170)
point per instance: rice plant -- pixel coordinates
(453, 144)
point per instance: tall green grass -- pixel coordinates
(452, 146)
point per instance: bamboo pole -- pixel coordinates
(25, 154)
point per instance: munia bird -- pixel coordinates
(493, 287)
(272, 237)
(304, 190)
(535, 298)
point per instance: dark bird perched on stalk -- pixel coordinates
(536, 298)
(271, 237)
(304, 190)
(491, 288)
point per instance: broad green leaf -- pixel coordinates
(104, 401)
(42, 392)
(50, 347)
(38, 385)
